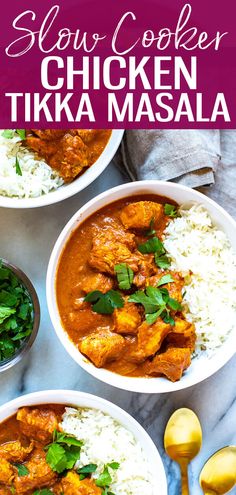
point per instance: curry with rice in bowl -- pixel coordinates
(34, 162)
(54, 449)
(119, 299)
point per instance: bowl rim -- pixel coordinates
(84, 399)
(127, 383)
(23, 278)
(68, 190)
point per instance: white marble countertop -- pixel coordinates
(27, 238)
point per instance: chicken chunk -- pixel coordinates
(40, 474)
(96, 281)
(14, 451)
(37, 423)
(183, 334)
(102, 347)
(150, 337)
(139, 215)
(64, 151)
(146, 271)
(72, 485)
(6, 472)
(111, 246)
(71, 157)
(174, 288)
(88, 135)
(171, 363)
(127, 319)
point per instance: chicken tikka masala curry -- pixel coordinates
(69, 151)
(119, 300)
(37, 458)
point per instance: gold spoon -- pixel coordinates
(183, 440)
(218, 476)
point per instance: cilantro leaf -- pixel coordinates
(153, 245)
(140, 297)
(174, 304)
(166, 279)
(152, 317)
(104, 479)
(21, 133)
(151, 231)
(60, 437)
(157, 302)
(125, 276)
(162, 261)
(85, 471)
(8, 133)
(7, 298)
(113, 465)
(63, 452)
(170, 210)
(5, 312)
(167, 318)
(105, 303)
(43, 491)
(72, 455)
(56, 458)
(17, 165)
(21, 468)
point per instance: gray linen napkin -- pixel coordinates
(189, 157)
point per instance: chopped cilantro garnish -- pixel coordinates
(166, 279)
(105, 303)
(162, 261)
(154, 245)
(17, 165)
(43, 491)
(125, 276)
(151, 231)
(21, 133)
(105, 479)
(16, 313)
(170, 210)
(22, 469)
(63, 452)
(85, 471)
(157, 302)
(8, 133)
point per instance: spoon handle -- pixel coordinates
(184, 476)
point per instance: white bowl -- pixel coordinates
(81, 399)
(200, 368)
(68, 190)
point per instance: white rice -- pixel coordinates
(105, 441)
(195, 244)
(37, 177)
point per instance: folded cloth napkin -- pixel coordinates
(189, 157)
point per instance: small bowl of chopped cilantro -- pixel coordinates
(19, 314)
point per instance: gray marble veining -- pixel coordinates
(27, 238)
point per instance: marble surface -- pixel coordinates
(27, 238)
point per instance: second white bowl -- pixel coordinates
(80, 399)
(68, 190)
